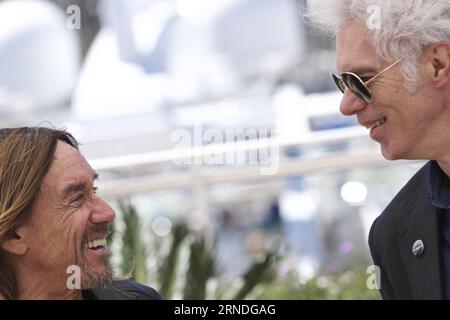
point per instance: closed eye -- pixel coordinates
(78, 198)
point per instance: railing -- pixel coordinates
(203, 174)
(199, 176)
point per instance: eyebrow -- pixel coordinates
(77, 186)
(363, 70)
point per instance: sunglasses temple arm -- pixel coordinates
(376, 76)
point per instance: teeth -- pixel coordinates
(375, 124)
(97, 243)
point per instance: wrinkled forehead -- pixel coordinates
(354, 50)
(68, 164)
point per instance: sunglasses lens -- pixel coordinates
(339, 83)
(357, 86)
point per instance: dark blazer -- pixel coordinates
(122, 290)
(409, 217)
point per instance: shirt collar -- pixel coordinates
(438, 186)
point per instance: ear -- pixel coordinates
(439, 63)
(16, 243)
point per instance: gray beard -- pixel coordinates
(92, 278)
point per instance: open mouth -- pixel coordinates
(98, 244)
(376, 123)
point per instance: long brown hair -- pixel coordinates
(25, 157)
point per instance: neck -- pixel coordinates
(442, 140)
(445, 166)
(35, 286)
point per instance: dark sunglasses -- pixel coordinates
(355, 84)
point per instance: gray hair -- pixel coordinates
(406, 27)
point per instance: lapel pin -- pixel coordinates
(418, 248)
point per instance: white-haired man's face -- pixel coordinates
(406, 126)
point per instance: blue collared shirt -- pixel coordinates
(439, 193)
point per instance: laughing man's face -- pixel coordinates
(69, 223)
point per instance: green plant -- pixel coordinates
(168, 269)
(344, 285)
(262, 270)
(189, 251)
(133, 253)
(202, 267)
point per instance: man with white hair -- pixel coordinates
(393, 62)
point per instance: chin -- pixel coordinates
(96, 278)
(96, 274)
(389, 156)
(391, 153)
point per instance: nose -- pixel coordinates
(102, 212)
(351, 104)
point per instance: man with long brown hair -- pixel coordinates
(52, 222)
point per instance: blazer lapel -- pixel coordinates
(424, 271)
